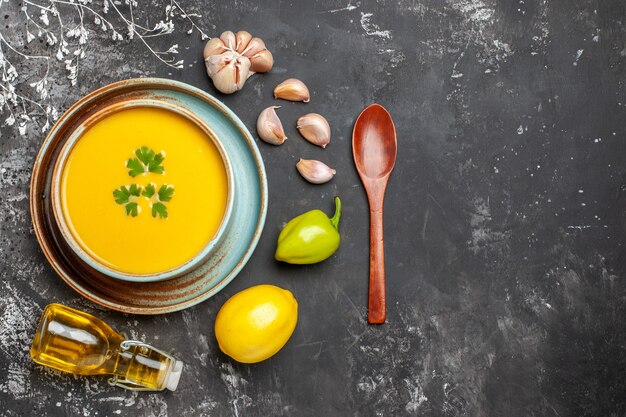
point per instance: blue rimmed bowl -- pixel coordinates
(206, 274)
(57, 202)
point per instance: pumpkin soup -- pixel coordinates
(143, 190)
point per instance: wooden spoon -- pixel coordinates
(374, 148)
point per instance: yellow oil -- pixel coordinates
(76, 342)
(144, 367)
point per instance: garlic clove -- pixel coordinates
(292, 89)
(214, 46)
(269, 127)
(255, 46)
(228, 75)
(242, 39)
(225, 80)
(262, 62)
(229, 39)
(315, 172)
(243, 71)
(314, 128)
(215, 63)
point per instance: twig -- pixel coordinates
(68, 34)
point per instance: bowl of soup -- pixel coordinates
(142, 190)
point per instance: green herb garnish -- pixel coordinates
(164, 195)
(148, 192)
(126, 196)
(132, 209)
(160, 209)
(166, 192)
(146, 161)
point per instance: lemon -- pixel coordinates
(255, 324)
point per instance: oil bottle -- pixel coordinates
(73, 341)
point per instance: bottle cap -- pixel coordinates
(172, 378)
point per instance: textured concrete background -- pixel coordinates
(505, 214)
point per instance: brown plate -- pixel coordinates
(236, 246)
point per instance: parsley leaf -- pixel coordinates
(146, 161)
(166, 192)
(145, 154)
(156, 164)
(160, 209)
(131, 208)
(135, 167)
(149, 191)
(135, 190)
(123, 196)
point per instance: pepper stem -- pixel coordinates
(337, 216)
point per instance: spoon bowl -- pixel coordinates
(374, 148)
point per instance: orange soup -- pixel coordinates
(144, 190)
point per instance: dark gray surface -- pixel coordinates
(504, 218)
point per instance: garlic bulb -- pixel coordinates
(292, 90)
(233, 57)
(315, 172)
(314, 128)
(269, 127)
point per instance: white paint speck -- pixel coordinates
(416, 393)
(520, 130)
(373, 29)
(348, 8)
(578, 55)
(475, 10)
(395, 57)
(235, 385)
(581, 227)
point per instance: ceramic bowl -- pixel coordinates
(57, 202)
(232, 250)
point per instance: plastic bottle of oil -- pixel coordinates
(73, 341)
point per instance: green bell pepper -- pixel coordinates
(310, 238)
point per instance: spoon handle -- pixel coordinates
(376, 309)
